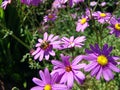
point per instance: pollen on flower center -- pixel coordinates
(102, 60)
(117, 26)
(47, 87)
(50, 16)
(102, 14)
(83, 20)
(68, 68)
(45, 45)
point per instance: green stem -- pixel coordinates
(20, 41)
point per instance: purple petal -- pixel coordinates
(79, 66)
(47, 56)
(54, 38)
(90, 57)
(64, 78)
(105, 74)
(52, 53)
(54, 77)
(80, 39)
(38, 82)
(45, 36)
(41, 55)
(90, 66)
(37, 88)
(58, 63)
(47, 76)
(70, 79)
(50, 37)
(59, 87)
(40, 40)
(60, 71)
(79, 75)
(99, 74)
(95, 71)
(113, 67)
(77, 59)
(42, 76)
(36, 51)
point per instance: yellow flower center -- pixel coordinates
(117, 26)
(45, 45)
(103, 15)
(47, 87)
(68, 68)
(102, 60)
(83, 20)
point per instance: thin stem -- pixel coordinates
(20, 41)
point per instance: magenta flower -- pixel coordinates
(82, 24)
(47, 82)
(31, 2)
(115, 26)
(45, 47)
(101, 63)
(69, 43)
(69, 70)
(5, 3)
(50, 17)
(93, 3)
(102, 17)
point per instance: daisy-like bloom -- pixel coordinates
(102, 17)
(57, 4)
(50, 17)
(31, 2)
(45, 47)
(69, 71)
(5, 3)
(101, 62)
(115, 26)
(103, 4)
(93, 3)
(69, 43)
(82, 24)
(47, 82)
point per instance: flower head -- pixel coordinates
(82, 24)
(47, 82)
(50, 17)
(69, 43)
(102, 17)
(5, 3)
(115, 26)
(45, 47)
(69, 71)
(101, 62)
(93, 3)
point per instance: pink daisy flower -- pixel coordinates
(50, 17)
(115, 26)
(5, 3)
(47, 82)
(70, 43)
(45, 47)
(101, 17)
(82, 24)
(69, 71)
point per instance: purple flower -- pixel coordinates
(101, 62)
(115, 26)
(69, 43)
(47, 82)
(82, 24)
(45, 47)
(103, 4)
(102, 17)
(5, 3)
(69, 70)
(93, 3)
(50, 17)
(57, 4)
(73, 2)
(31, 2)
